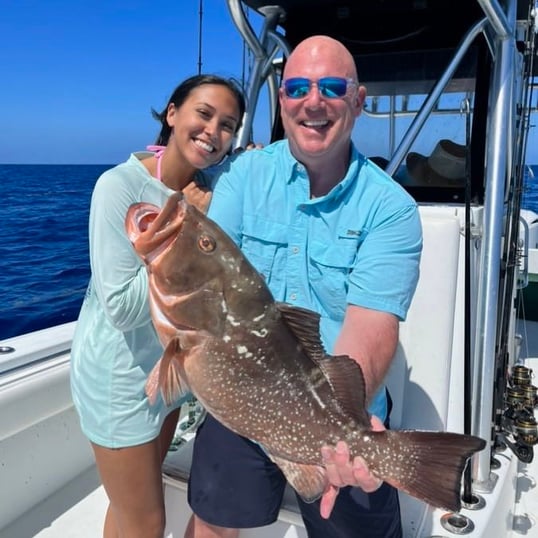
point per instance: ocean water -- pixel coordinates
(44, 268)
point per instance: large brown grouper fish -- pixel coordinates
(259, 366)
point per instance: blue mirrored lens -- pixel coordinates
(297, 87)
(330, 87)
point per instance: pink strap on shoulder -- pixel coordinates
(159, 150)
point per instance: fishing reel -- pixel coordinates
(519, 427)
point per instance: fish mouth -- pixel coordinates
(151, 230)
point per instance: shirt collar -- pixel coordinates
(295, 169)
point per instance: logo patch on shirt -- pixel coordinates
(354, 233)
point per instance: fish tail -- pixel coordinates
(429, 465)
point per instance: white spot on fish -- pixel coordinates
(243, 350)
(262, 334)
(317, 398)
(232, 321)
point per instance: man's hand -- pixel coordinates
(341, 471)
(250, 145)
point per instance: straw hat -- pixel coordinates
(445, 167)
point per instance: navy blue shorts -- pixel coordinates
(234, 484)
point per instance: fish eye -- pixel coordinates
(206, 243)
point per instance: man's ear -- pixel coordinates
(360, 98)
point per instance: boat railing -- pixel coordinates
(506, 104)
(38, 346)
(264, 49)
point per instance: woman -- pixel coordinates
(115, 345)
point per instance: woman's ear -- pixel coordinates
(170, 113)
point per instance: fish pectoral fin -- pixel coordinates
(152, 383)
(171, 381)
(166, 375)
(309, 481)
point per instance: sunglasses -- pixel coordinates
(329, 87)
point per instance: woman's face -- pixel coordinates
(205, 124)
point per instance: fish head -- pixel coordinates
(198, 277)
(172, 242)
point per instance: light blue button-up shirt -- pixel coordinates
(360, 244)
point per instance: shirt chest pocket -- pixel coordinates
(265, 244)
(329, 267)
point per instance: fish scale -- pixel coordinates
(259, 366)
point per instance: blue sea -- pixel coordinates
(44, 268)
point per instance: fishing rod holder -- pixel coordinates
(519, 426)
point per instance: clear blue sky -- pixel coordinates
(79, 78)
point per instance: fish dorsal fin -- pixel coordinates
(343, 374)
(348, 386)
(305, 326)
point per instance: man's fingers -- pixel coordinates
(338, 464)
(327, 501)
(368, 482)
(341, 453)
(376, 424)
(342, 471)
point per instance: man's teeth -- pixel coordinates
(204, 145)
(316, 123)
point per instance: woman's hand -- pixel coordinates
(341, 471)
(197, 196)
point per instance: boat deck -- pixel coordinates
(75, 511)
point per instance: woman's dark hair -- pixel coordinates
(183, 91)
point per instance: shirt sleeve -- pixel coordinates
(118, 275)
(386, 272)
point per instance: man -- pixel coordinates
(331, 232)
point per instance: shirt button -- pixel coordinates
(293, 296)
(295, 250)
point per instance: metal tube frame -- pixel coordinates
(498, 154)
(499, 29)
